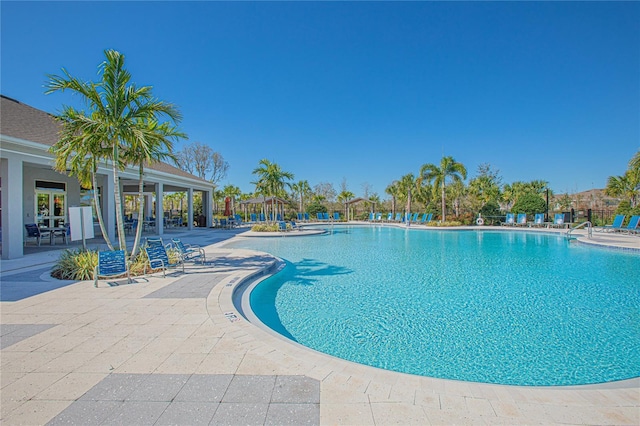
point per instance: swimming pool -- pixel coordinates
(485, 306)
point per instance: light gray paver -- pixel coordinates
(236, 413)
(250, 389)
(293, 414)
(85, 413)
(136, 413)
(192, 413)
(205, 388)
(14, 333)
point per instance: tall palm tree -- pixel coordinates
(626, 186)
(151, 143)
(407, 186)
(272, 180)
(634, 163)
(117, 110)
(394, 190)
(343, 197)
(75, 155)
(302, 190)
(448, 169)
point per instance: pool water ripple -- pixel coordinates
(496, 307)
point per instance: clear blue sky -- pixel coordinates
(362, 91)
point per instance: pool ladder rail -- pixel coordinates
(586, 224)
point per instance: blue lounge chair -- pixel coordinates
(398, 217)
(632, 226)
(558, 221)
(306, 217)
(319, 215)
(429, 218)
(336, 216)
(188, 251)
(111, 264)
(282, 226)
(615, 226)
(509, 220)
(372, 217)
(389, 217)
(422, 218)
(299, 216)
(522, 219)
(378, 217)
(325, 216)
(538, 220)
(159, 257)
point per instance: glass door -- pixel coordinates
(50, 208)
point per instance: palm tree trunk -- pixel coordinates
(118, 200)
(444, 205)
(136, 241)
(96, 201)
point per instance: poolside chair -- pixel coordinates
(538, 220)
(429, 218)
(34, 231)
(282, 226)
(111, 264)
(189, 251)
(159, 257)
(509, 220)
(615, 226)
(558, 221)
(262, 218)
(632, 226)
(306, 217)
(371, 217)
(398, 217)
(522, 219)
(336, 216)
(253, 217)
(378, 217)
(299, 216)
(389, 217)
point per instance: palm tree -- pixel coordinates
(74, 154)
(394, 190)
(118, 110)
(635, 161)
(407, 185)
(626, 186)
(151, 143)
(302, 190)
(271, 181)
(448, 169)
(343, 197)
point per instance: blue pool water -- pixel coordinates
(497, 307)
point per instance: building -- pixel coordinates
(32, 192)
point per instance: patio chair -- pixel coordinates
(378, 217)
(325, 216)
(111, 264)
(558, 221)
(189, 251)
(510, 220)
(306, 217)
(429, 218)
(538, 220)
(33, 231)
(159, 257)
(64, 233)
(253, 217)
(336, 216)
(398, 217)
(632, 226)
(615, 226)
(522, 219)
(282, 226)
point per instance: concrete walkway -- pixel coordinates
(176, 350)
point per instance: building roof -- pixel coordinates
(22, 121)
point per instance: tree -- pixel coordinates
(485, 187)
(302, 190)
(118, 113)
(406, 186)
(272, 180)
(77, 153)
(345, 196)
(394, 190)
(530, 204)
(201, 160)
(233, 192)
(438, 175)
(152, 142)
(626, 186)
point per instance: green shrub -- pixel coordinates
(314, 208)
(75, 265)
(265, 227)
(446, 223)
(529, 204)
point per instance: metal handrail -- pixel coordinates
(583, 224)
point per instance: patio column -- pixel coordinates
(11, 173)
(190, 209)
(159, 208)
(207, 207)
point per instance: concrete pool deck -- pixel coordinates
(176, 350)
